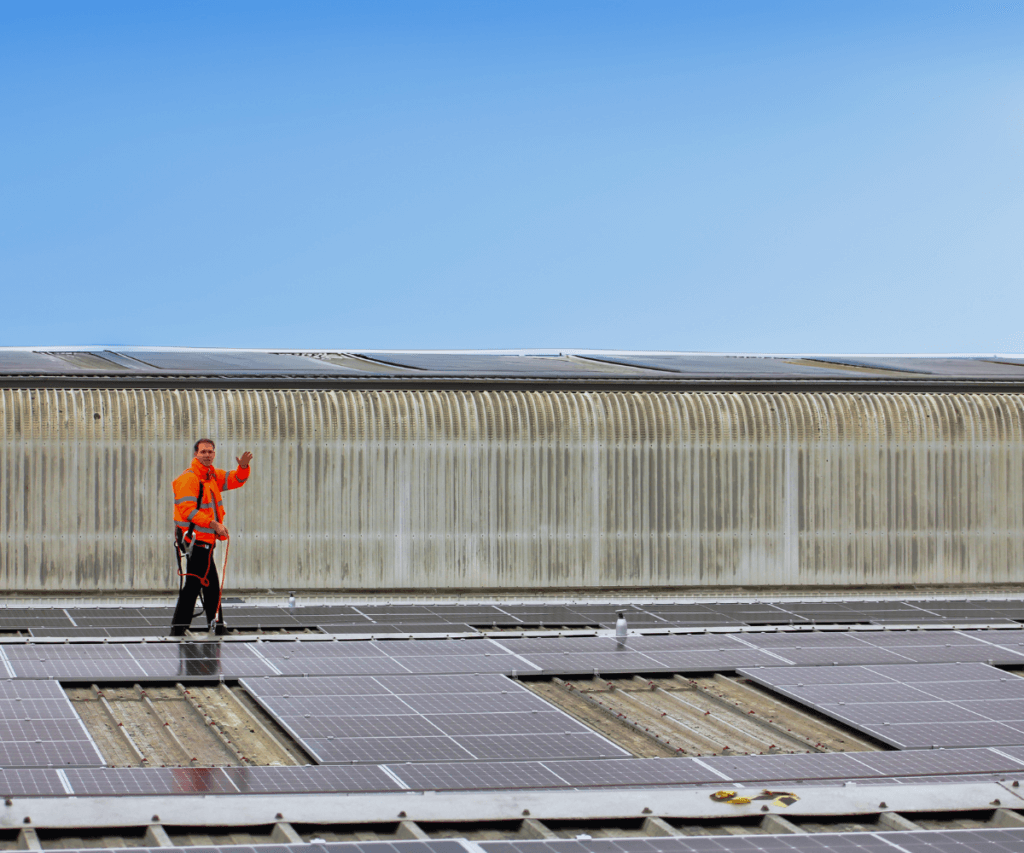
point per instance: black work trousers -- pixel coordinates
(195, 568)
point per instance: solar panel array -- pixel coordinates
(912, 706)
(434, 718)
(1007, 840)
(941, 841)
(39, 727)
(448, 619)
(220, 362)
(320, 655)
(907, 767)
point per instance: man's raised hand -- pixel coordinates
(244, 460)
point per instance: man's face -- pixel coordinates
(206, 453)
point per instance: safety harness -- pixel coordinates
(184, 542)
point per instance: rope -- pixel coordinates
(223, 578)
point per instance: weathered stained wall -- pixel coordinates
(519, 490)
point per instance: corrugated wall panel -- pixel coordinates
(491, 490)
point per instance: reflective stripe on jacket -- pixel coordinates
(186, 493)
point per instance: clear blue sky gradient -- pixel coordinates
(758, 176)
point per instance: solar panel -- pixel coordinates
(568, 745)
(1002, 710)
(476, 776)
(726, 366)
(749, 768)
(308, 665)
(147, 781)
(915, 638)
(538, 722)
(36, 709)
(339, 685)
(713, 660)
(923, 673)
(489, 364)
(496, 662)
(863, 654)
(803, 640)
(402, 725)
(931, 734)
(930, 762)
(851, 694)
(437, 648)
(644, 772)
(233, 361)
(12, 689)
(870, 713)
(465, 703)
(454, 683)
(378, 750)
(950, 654)
(1010, 688)
(49, 753)
(624, 661)
(328, 706)
(953, 367)
(311, 780)
(564, 645)
(799, 676)
(17, 782)
(930, 841)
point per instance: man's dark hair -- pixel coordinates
(195, 447)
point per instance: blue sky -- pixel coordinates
(761, 176)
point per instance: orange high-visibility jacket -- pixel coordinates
(186, 493)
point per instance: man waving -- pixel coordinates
(199, 524)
